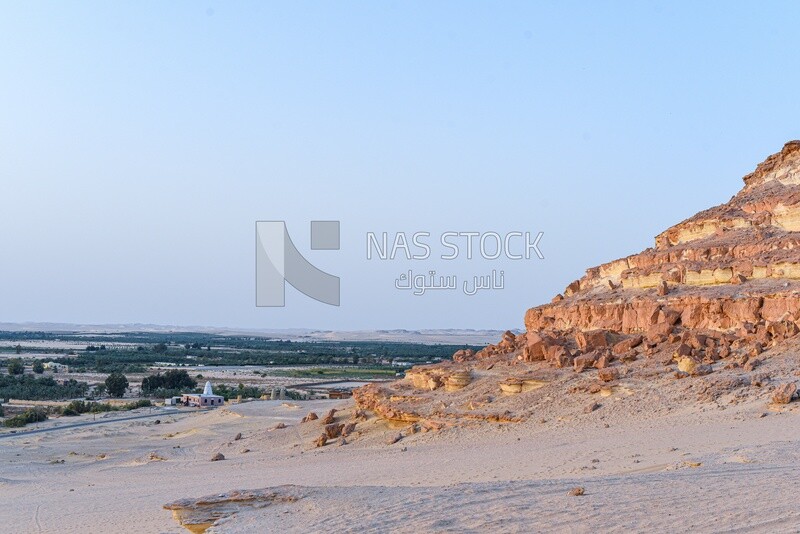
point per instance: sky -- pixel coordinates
(141, 141)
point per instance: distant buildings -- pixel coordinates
(337, 389)
(206, 398)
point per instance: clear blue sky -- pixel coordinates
(139, 142)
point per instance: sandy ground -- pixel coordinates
(699, 468)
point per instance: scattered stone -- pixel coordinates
(245, 451)
(310, 417)
(279, 426)
(464, 355)
(626, 345)
(576, 492)
(760, 379)
(686, 364)
(394, 439)
(784, 393)
(751, 364)
(584, 360)
(330, 417)
(218, 457)
(237, 437)
(602, 361)
(607, 374)
(591, 407)
(334, 430)
(702, 369)
(321, 441)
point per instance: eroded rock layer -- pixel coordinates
(714, 293)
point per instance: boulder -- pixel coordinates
(626, 345)
(687, 364)
(464, 355)
(330, 417)
(784, 393)
(310, 417)
(593, 339)
(584, 360)
(349, 428)
(333, 430)
(658, 332)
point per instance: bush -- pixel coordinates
(34, 415)
(15, 367)
(142, 403)
(38, 367)
(78, 407)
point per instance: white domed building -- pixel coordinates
(204, 399)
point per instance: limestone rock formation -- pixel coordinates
(198, 515)
(715, 292)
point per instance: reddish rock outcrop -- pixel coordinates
(715, 292)
(783, 394)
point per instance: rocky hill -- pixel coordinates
(714, 299)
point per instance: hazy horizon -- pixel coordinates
(138, 147)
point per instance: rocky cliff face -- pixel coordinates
(731, 269)
(715, 291)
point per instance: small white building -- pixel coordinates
(173, 401)
(206, 398)
(56, 367)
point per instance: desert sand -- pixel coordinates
(708, 466)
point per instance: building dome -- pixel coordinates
(207, 390)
